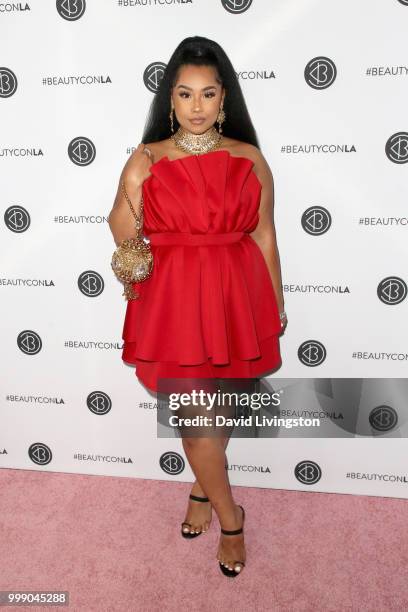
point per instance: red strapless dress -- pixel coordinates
(209, 308)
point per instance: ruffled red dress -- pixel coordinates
(209, 308)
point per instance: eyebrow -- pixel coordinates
(191, 89)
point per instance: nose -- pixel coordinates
(197, 105)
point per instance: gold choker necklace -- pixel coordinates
(197, 143)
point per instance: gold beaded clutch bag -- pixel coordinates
(132, 261)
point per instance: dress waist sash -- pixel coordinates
(188, 239)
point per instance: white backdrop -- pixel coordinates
(326, 86)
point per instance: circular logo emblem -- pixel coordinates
(383, 418)
(153, 74)
(236, 6)
(17, 219)
(404, 2)
(81, 151)
(91, 283)
(308, 472)
(98, 402)
(40, 453)
(311, 353)
(8, 82)
(316, 220)
(396, 148)
(172, 463)
(29, 342)
(392, 290)
(320, 72)
(71, 10)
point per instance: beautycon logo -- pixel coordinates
(392, 290)
(8, 82)
(81, 151)
(172, 463)
(320, 72)
(236, 6)
(396, 148)
(153, 74)
(40, 453)
(316, 220)
(311, 353)
(90, 283)
(99, 402)
(71, 10)
(17, 219)
(308, 472)
(29, 342)
(383, 418)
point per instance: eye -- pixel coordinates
(209, 94)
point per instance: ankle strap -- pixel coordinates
(201, 499)
(233, 532)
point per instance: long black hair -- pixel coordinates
(200, 51)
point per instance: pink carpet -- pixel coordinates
(114, 544)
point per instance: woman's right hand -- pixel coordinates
(136, 169)
(134, 173)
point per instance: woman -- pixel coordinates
(213, 306)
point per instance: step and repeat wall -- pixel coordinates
(326, 87)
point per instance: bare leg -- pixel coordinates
(207, 460)
(199, 514)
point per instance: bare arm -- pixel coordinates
(264, 234)
(121, 219)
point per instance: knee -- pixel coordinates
(202, 443)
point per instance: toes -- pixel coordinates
(193, 529)
(187, 528)
(237, 567)
(196, 529)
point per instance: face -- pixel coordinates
(197, 97)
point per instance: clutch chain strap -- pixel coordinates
(139, 219)
(129, 292)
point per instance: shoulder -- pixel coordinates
(250, 151)
(244, 149)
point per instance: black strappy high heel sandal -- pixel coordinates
(187, 534)
(225, 570)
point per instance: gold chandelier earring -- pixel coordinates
(220, 119)
(171, 120)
